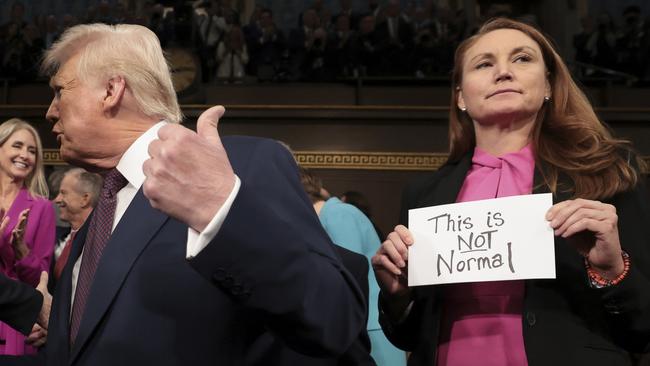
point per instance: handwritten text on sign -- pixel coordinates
(491, 240)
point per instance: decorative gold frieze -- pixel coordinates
(370, 160)
(346, 160)
(52, 157)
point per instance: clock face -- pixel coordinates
(184, 68)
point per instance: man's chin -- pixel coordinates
(67, 156)
(73, 159)
(91, 164)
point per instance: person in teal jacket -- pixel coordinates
(349, 228)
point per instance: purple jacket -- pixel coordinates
(39, 236)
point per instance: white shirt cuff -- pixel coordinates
(197, 241)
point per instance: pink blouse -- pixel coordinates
(481, 321)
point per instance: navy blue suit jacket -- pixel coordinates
(271, 266)
(269, 350)
(19, 304)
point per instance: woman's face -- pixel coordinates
(18, 155)
(504, 78)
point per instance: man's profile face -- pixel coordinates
(69, 200)
(76, 112)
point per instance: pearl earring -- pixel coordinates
(463, 109)
(547, 99)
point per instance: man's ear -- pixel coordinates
(85, 200)
(115, 89)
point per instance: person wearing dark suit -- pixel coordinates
(396, 39)
(196, 242)
(270, 350)
(346, 10)
(520, 125)
(21, 306)
(266, 43)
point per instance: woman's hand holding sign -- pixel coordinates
(390, 266)
(592, 227)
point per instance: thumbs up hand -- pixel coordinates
(188, 175)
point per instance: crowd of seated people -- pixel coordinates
(389, 40)
(323, 46)
(622, 45)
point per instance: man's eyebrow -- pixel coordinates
(54, 82)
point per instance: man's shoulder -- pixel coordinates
(239, 141)
(248, 152)
(248, 146)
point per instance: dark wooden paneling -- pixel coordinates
(362, 129)
(389, 92)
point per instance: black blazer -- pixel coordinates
(565, 321)
(19, 304)
(268, 350)
(270, 266)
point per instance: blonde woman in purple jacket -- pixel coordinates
(27, 243)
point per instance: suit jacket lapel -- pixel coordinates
(450, 185)
(59, 331)
(131, 236)
(58, 342)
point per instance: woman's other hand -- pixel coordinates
(18, 236)
(592, 227)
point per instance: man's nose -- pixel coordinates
(52, 114)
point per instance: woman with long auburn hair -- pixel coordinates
(519, 125)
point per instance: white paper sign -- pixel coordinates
(491, 240)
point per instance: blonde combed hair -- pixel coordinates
(567, 137)
(35, 181)
(130, 51)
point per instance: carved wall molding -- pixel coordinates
(362, 160)
(370, 160)
(52, 157)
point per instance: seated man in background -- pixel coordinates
(78, 194)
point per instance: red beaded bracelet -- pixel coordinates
(599, 281)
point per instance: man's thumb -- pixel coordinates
(206, 126)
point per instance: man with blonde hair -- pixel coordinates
(196, 243)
